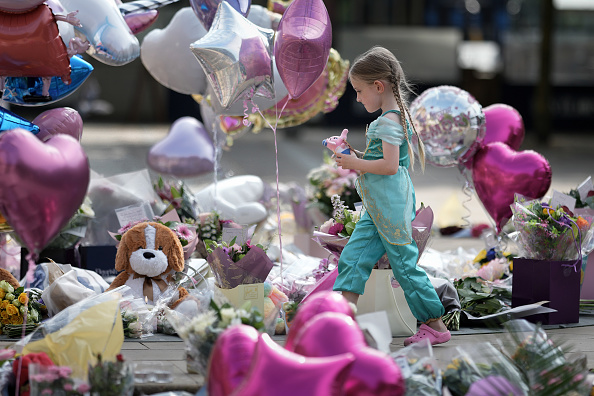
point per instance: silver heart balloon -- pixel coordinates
(236, 56)
(186, 151)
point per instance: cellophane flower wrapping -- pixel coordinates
(420, 370)
(253, 267)
(469, 364)
(136, 317)
(549, 366)
(545, 233)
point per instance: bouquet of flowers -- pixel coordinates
(482, 362)
(108, 378)
(544, 363)
(546, 233)
(51, 379)
(15, 306)
(328, 180)
(419, 369)
(178, 198)
(234, 264)
(210, 227)
(201, 332)
(494, 264)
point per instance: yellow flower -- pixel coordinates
(16, 320)
(4, 303)
(5, 321)
(12, 310)
(2, 219)
(2, 293)
(24, 298)
(548, 211)
(3, 314)
(482, 255)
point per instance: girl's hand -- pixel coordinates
(347, 161)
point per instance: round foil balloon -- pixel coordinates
(62, 120)
(236, 56)
(302, 44)
(41, 185)
(450, 122)
(206, 10)
(186, 151)
(504, 124)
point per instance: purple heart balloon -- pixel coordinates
(503, 124)
(62, 120)
(205, 10)
(499, 172)
(302, 44)
(187, 150)
(41, 185)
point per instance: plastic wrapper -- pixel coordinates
(471, 364)
(548, 366)
(420, 369)
(114, 192)
(136, 317)
(254, 267)
(543, 233)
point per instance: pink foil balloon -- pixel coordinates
(499, 172)
(302, 44)
(325, 301)
(231, 358)
(187, 150)
(325, 284)
(374, 373)
(41, 185)
(275, 371)
(140, 21)
(504, 124)
(63, 120)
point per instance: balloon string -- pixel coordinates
(468, 190)
(278, 217)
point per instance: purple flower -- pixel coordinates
(184, 232)
(336, 228)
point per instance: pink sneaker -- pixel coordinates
(426, 332)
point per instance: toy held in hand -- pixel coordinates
(338, 144)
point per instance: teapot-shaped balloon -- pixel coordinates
(338, 144)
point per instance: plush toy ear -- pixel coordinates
(172, 247)
(122, 257)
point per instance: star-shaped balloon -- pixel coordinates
(236, 56)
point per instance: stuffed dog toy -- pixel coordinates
(149, 254)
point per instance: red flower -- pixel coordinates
(23, 377)
(119, 357)
(590, 194)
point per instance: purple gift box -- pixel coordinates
(555, 281)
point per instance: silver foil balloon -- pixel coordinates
(236, 56)
(450, 122)
(206, 10)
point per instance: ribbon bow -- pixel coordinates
(147, 286)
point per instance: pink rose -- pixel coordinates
(336, 228)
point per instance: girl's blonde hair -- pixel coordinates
(379, 63)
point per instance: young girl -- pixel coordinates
(388, 195)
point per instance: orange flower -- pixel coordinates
(5, 321)
(24, 298)
(4, 303)
(16, 320)
(12, 310)
(582, 223)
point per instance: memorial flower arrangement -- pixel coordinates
(546, 233)
(51, 379)
(234, 264)
(328, 180)
(15, 306)
(107, 378)
(494, 264)
(201, 332)
(343, 220)
(178, 197)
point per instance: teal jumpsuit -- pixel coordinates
(386, 227)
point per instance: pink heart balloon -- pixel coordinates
(374, 373)
(62, 120)
(187, 150)
(41, 185)
(324, 301)
(231, 358)
(499, 172)
(302, 44)
(275, 371)
(504, 124)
